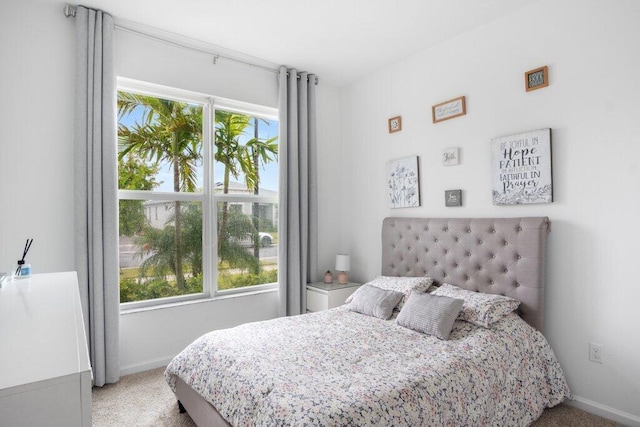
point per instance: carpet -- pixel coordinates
(145, 399)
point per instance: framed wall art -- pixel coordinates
(395, 124)
(403, 183)
(521, 168)
(452, 198)
(450, 156)
(536, 79)
(449, 109)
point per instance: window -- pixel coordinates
(198, 195)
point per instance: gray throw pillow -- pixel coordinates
(406, 285)
(430, 314)
(374, 301)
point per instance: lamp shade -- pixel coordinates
(343, 263)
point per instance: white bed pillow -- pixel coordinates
(406, 285)
(430, 314)
(375, 302)
(478, 308)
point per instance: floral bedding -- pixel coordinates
(337, 367)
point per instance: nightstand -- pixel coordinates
(323, 296)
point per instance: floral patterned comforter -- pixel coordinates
(336, 368)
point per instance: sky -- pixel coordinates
(268, 173)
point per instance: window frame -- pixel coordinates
(207, 197)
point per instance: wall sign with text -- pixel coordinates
(521, 168)
(452, 198)
(449, 109)
(536, 79)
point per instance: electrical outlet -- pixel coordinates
(596, 352)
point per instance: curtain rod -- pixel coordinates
(70, 12)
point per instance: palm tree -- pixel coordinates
(170, 132)
(259, 150)
(161, 243)
(238, 158)
(192, 237)
(232, 252)
(229, 128)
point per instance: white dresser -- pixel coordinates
(45, 374)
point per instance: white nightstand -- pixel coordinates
(323, 296)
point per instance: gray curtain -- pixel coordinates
(298, 210)
(95, 191)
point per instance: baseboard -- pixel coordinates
(604, 411)
(152, 364)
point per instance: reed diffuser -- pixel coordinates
(24, 269)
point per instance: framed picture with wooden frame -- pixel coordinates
(536, 79)
(449, 109)
(395, 124)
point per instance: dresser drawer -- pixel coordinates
(317, 300)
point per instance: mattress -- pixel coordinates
(339, 367)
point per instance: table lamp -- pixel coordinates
(343, 264)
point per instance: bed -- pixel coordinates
(342, 367)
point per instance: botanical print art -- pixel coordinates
(522, 168)
(403, 183)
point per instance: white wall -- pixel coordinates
(150, 338)
(149, 60)
(591, 48)
(331, 181)
(36, 132)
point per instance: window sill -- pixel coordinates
(197, 301)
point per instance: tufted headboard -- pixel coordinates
(503, 256)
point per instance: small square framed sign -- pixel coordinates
(450, 156)
(452, 198)
(536, 79)
(395, 124)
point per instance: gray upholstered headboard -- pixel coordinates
(503, 256)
